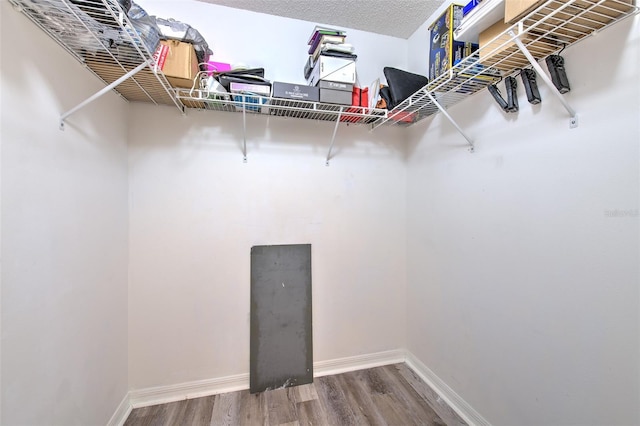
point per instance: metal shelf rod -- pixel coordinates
(572, 113)
(244, 130)
(104, 90)
(333, 138)
(448, 116)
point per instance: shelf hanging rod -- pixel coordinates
(244, 130)
(446, 114)
(573, 120)
(104, 90)
(333, 138)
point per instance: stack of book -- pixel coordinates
(332, 60)
(329, 42)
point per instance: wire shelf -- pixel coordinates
(546, 30)
(250, 103)
(100, 35)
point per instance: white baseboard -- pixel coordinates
(196, 389)
(199, 388)
(455, 401)
(121, 413)
(358, 362)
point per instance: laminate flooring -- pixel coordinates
(388, 395)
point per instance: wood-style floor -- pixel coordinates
(388, 395)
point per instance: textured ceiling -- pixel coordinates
(398, 18)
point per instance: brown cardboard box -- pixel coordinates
(509, 56)
(515, 9)
(488, 42)
(181, 64)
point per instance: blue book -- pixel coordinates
(470, 6)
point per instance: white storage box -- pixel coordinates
(340, 70)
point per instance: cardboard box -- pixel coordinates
(516, 9)
(180, 63)
(489, 41)
(160, 56)
(492, 54)
(298, 92)
(445, 52)
(339, 70)
(496, 51)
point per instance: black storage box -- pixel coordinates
(297, 92)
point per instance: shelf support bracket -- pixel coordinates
(244, 130)
(573, 116)
(104, 90)
(333, 138)
(448, 116)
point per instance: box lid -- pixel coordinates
(335, 85)
(258, 89)
(295, 91)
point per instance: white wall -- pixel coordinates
(197, 209)
(275, 43)
(520, 289)
(64, 237)
(523, 291)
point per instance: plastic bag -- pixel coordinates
(101, 12)
(70, 24)
(125, 5)
(145, 26)
(94, 7)
(176, 30)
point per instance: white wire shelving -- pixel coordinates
(246, 103)
(100, 35)
(254, 104)
(549, 28)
